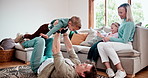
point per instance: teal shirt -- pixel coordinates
(62, 23)
(125, 32)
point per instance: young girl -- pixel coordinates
(93, 52)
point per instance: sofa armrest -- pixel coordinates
(140, 44)
(143, 35)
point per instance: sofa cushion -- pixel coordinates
(121, 53)
(91, 35)
(18, 46)
(78, 38)
(77, 48)
(128, 53)
(63, 47)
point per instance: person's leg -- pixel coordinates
(104, 58)
(48, 50)
(91, 52)
(38, 44)
(103, 55)
(95, 54)
(43, 29)
(111, 49)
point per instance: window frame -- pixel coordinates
(91, 13)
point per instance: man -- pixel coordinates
(65, 68)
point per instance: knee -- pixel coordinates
(40, 40)
(101, 44)
(50, 40)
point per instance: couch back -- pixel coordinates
(140, 38)
(141, 34)
(140, 44)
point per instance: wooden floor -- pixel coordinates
(142, 74)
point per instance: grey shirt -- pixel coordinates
(61, 68)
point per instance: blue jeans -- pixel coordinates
(42, 51)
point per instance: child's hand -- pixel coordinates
(43, 35)
(99, 34)
(56, 22)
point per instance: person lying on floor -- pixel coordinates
(59, 67)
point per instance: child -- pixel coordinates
(93, 52)
(57, 25)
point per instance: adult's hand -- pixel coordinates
(105, 39)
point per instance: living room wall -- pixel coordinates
(26, 16)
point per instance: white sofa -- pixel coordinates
(23, 54)
(132, 61)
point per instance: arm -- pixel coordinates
(126, 34)
(46, 36)
(59, 62)
(72, 55)
(56, 44)
(100, 35)
(55, 28)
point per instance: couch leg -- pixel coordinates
(130, 75)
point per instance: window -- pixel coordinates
(140, 12)
(105, 12)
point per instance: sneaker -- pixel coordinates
(19, 38)
(120, 74)
(110, 72)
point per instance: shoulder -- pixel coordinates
(129, 24)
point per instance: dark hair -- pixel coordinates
(91, 74)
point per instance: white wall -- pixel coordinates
(27, 15)
(80, 8)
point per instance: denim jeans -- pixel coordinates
(42, 51)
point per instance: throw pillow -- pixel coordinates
(7, 43)
(91, 35)
(78, 38)
(94, 40)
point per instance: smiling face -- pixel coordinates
(122, 12)
(114, 28)
(72, 27)
(81, 68)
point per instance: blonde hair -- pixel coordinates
(76, 21)
(127, 7)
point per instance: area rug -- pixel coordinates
(17, 72)
(22, 72)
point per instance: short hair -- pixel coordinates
(76, 21)
(127, 7)
(91, 74)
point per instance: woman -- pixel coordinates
(123, 42)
